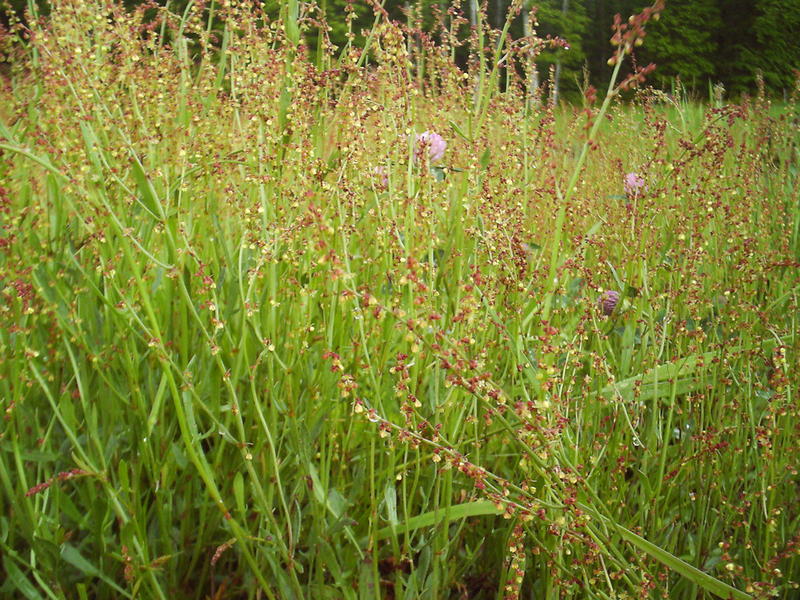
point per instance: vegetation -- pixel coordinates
(735, 45)
(281, 322)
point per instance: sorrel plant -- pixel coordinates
(257, 343)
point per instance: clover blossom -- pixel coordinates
(608, 302)
(634, 184)
(433, 143)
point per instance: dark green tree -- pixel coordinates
(700, 41)
(566, 19)
(600, 15)
(772, 48)
(732, 38)
(684, 43)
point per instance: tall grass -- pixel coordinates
(255, 343)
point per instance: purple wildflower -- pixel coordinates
(433, 143)
(634, 184)
(380, 172)
(608, 302)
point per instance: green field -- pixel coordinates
(259, 338)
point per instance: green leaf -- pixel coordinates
(485, 157)
(73, 556)
(390, 500)
(329, 560)
(292, 28)
(238, 492)
(453, 513)
(18, 579)
(44, 162)
(458, 130)
(333, 504)
(124, 479)
(656, 383)
(438, 173)
(148, 198)
(693, 574)
(92, 144)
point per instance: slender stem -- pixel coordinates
(573, 180)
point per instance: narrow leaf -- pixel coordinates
(18, 579)
(73, 556)
(148, 198)
(459, 511)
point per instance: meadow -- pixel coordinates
(289, 322)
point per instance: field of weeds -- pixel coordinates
(340, 323)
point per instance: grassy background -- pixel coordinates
(236, 362)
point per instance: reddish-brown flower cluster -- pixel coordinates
(62, 476)
(632, 33)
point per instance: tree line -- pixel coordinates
(730, 46)
(727, 44)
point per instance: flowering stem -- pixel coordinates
(567, 195)
(482, 104)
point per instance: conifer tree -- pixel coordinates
(700, 41)
(773, 47)
(565, 20)
(683, 43)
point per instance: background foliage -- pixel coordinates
(701, 42)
